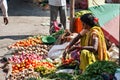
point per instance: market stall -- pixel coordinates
(37, 57)
(41, 57)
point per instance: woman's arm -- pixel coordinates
(82, 33)
(94, 46)
(75, 40)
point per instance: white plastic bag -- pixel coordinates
(117, 74)
(56, 51)
(114, 51)
(65, 71)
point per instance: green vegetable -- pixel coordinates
(44, 71)
(32, 78)
(95, 70)
(82, 12)
(60, 76)
(61, 31)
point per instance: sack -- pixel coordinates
(114, 51)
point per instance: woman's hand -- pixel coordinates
(66, 51)
(69, 49)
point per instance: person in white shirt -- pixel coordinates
(55, 7)
(4, 8)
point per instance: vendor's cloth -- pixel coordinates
(88, 57)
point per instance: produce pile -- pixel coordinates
(30, 61)
(30, 41)
(30, 58)
(100, 70)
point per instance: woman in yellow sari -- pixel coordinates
(92, 42)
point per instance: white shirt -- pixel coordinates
(4, 8)
(57, 2)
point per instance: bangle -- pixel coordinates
(81, 47)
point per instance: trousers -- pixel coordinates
(54, 10)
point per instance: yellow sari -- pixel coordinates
(88, 57)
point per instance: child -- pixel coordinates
(7, 67)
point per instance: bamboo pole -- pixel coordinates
(72, 2)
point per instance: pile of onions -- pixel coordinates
(40, 49)
(24, 56)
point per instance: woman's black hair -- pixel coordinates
(89, 19)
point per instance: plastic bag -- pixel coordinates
(57, 50)
(114, 51)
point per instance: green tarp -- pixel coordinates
(105, 12)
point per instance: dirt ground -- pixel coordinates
(25, 19)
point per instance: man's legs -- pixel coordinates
(63, 14)
(53, 17)
(53, 13)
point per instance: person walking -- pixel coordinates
(4, 8)
(58, 6)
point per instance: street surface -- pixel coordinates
(25, 19)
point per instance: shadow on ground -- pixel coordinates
(25, 8)
(15, 37)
